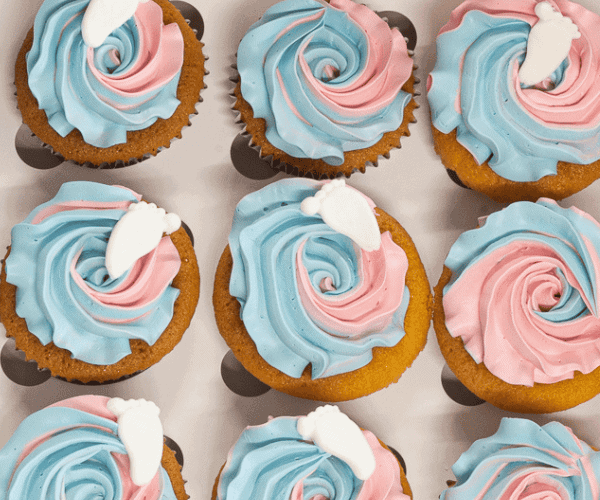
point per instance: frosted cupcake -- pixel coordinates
(525, 461)
(325, 88)
(109, 82)
(320, 294)
(321, 455)
(515, 102)
(517, 308)
(91, 447)
(92, 288)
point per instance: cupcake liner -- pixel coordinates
(18, 369)
(176, 449)
(146, 156)
(279, 165)
(399, 457)
(456, 179)
(239, 380)
(457, 391)
(106, 382)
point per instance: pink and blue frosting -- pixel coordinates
(308, 294)
(72, 450)
(523, 131)
(64, 292)
(124, 85)
(274, 462)
(527, 462)
(525, 293)
(327, 78)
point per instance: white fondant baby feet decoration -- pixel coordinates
(548, 45)
(142, 434)
(137, 233)
(346, 211)
(334, 432)
(102, 17)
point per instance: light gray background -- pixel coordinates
(195, 179)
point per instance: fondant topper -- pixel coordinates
(141, 431)
(137, 233)
(548, 45)
(334, 432)
(102, 17)
(346, 211)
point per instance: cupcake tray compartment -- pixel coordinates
(197, 180)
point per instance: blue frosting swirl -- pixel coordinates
(54, 305)
(475, 71)
(527, 461)
(76, 460)
(71, 95)
(268, 230)
(299, 121)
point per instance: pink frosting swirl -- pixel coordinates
(72, 449)
(143, 284)
(96, 405)
(160, 59)
(367, 308)
(274, 462)
(523, 132)
(387, 68)
(327, 78)
(523, 461)
(384, 483)
(64, 291)
(525, 302)
(576, 101)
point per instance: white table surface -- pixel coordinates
(196, 179)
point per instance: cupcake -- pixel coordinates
(514, 98)
(91, 289)
(321, 455)
(325, 88)
(109, 82)
(320, 294)
(91, 447)
(517, 308)
(526, 461)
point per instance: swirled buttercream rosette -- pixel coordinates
(305, 307)
(526, 461)
(275, 461)
(516, 312)
(324, 88)
(77, 318)
(118, 103)
(501, 131)
(75, 449)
